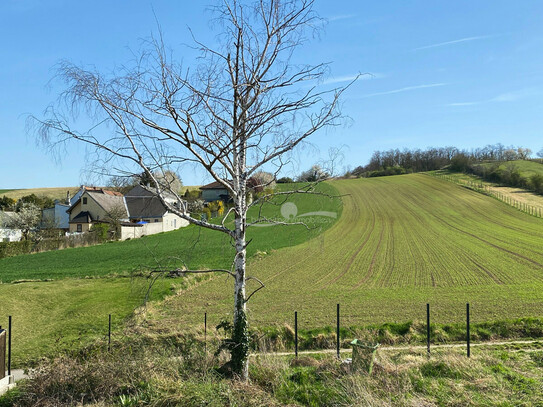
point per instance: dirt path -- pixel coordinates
(394, 348)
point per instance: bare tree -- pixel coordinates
(241, 111)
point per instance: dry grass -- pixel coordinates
(53, 193)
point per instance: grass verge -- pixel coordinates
(177, 371)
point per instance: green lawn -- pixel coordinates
(66, 314)
(196, 246)
(63, 313)
(401, 242)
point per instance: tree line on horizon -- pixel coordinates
(397, 162)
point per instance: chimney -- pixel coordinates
(67, 197)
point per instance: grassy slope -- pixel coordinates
(68, 313)
(526, 168)
(198, 247)
(70, 310)
(53, 193)
(401, 242)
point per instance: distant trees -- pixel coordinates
(168, 181)
(536, 182)
(40, 201)
(6, 203)
(314, 174)
(540, 153)
(285, 180)
(397, 161)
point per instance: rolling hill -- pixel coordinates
(401, 242)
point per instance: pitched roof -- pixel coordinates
(141, 191)
(145, 207)
(213, 185)
(110, 201)
(103, 191)
(82, 217)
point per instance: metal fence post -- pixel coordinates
(428, 328)
(9, 346)
(337, 331)
(467, 332)
(109, 335)
(296, 333)
(205, 332)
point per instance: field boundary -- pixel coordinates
(490, 189)
(400, 348)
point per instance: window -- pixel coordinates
(85, 201)
(175, 223)
(79, 227)
(156, 220)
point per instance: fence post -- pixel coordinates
(428, 328)
(109, 335)
(9, 346)
(337, 331)
(205, 332)
(296, 333)
(467, 332)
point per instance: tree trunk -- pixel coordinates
(240, 334)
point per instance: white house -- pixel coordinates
(6, 234)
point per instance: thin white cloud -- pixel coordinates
(341, 17)
(350, 78)
(442, 44)
(463, 104)
(405, 89)
(504, 97)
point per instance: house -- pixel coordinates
(57, 217)
(7, 234)
(140, 212)
(96, 205)
(144, 206)
(215, 192)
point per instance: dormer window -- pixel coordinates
(84, 200)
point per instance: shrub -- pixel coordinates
(285, 180)
(536, 183)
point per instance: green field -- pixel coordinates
(526, 168)
(49, 316)
(64, 313)
(193, 245)
(401, 242)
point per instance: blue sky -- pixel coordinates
(459, 73)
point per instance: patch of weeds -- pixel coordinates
(439, 369)
(537, 358)
(307, 386)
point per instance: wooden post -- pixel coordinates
(296, 333)
(205, 332)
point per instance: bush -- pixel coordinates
(285, 180)
(10, 249)
(536, 183)
(101, 231)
